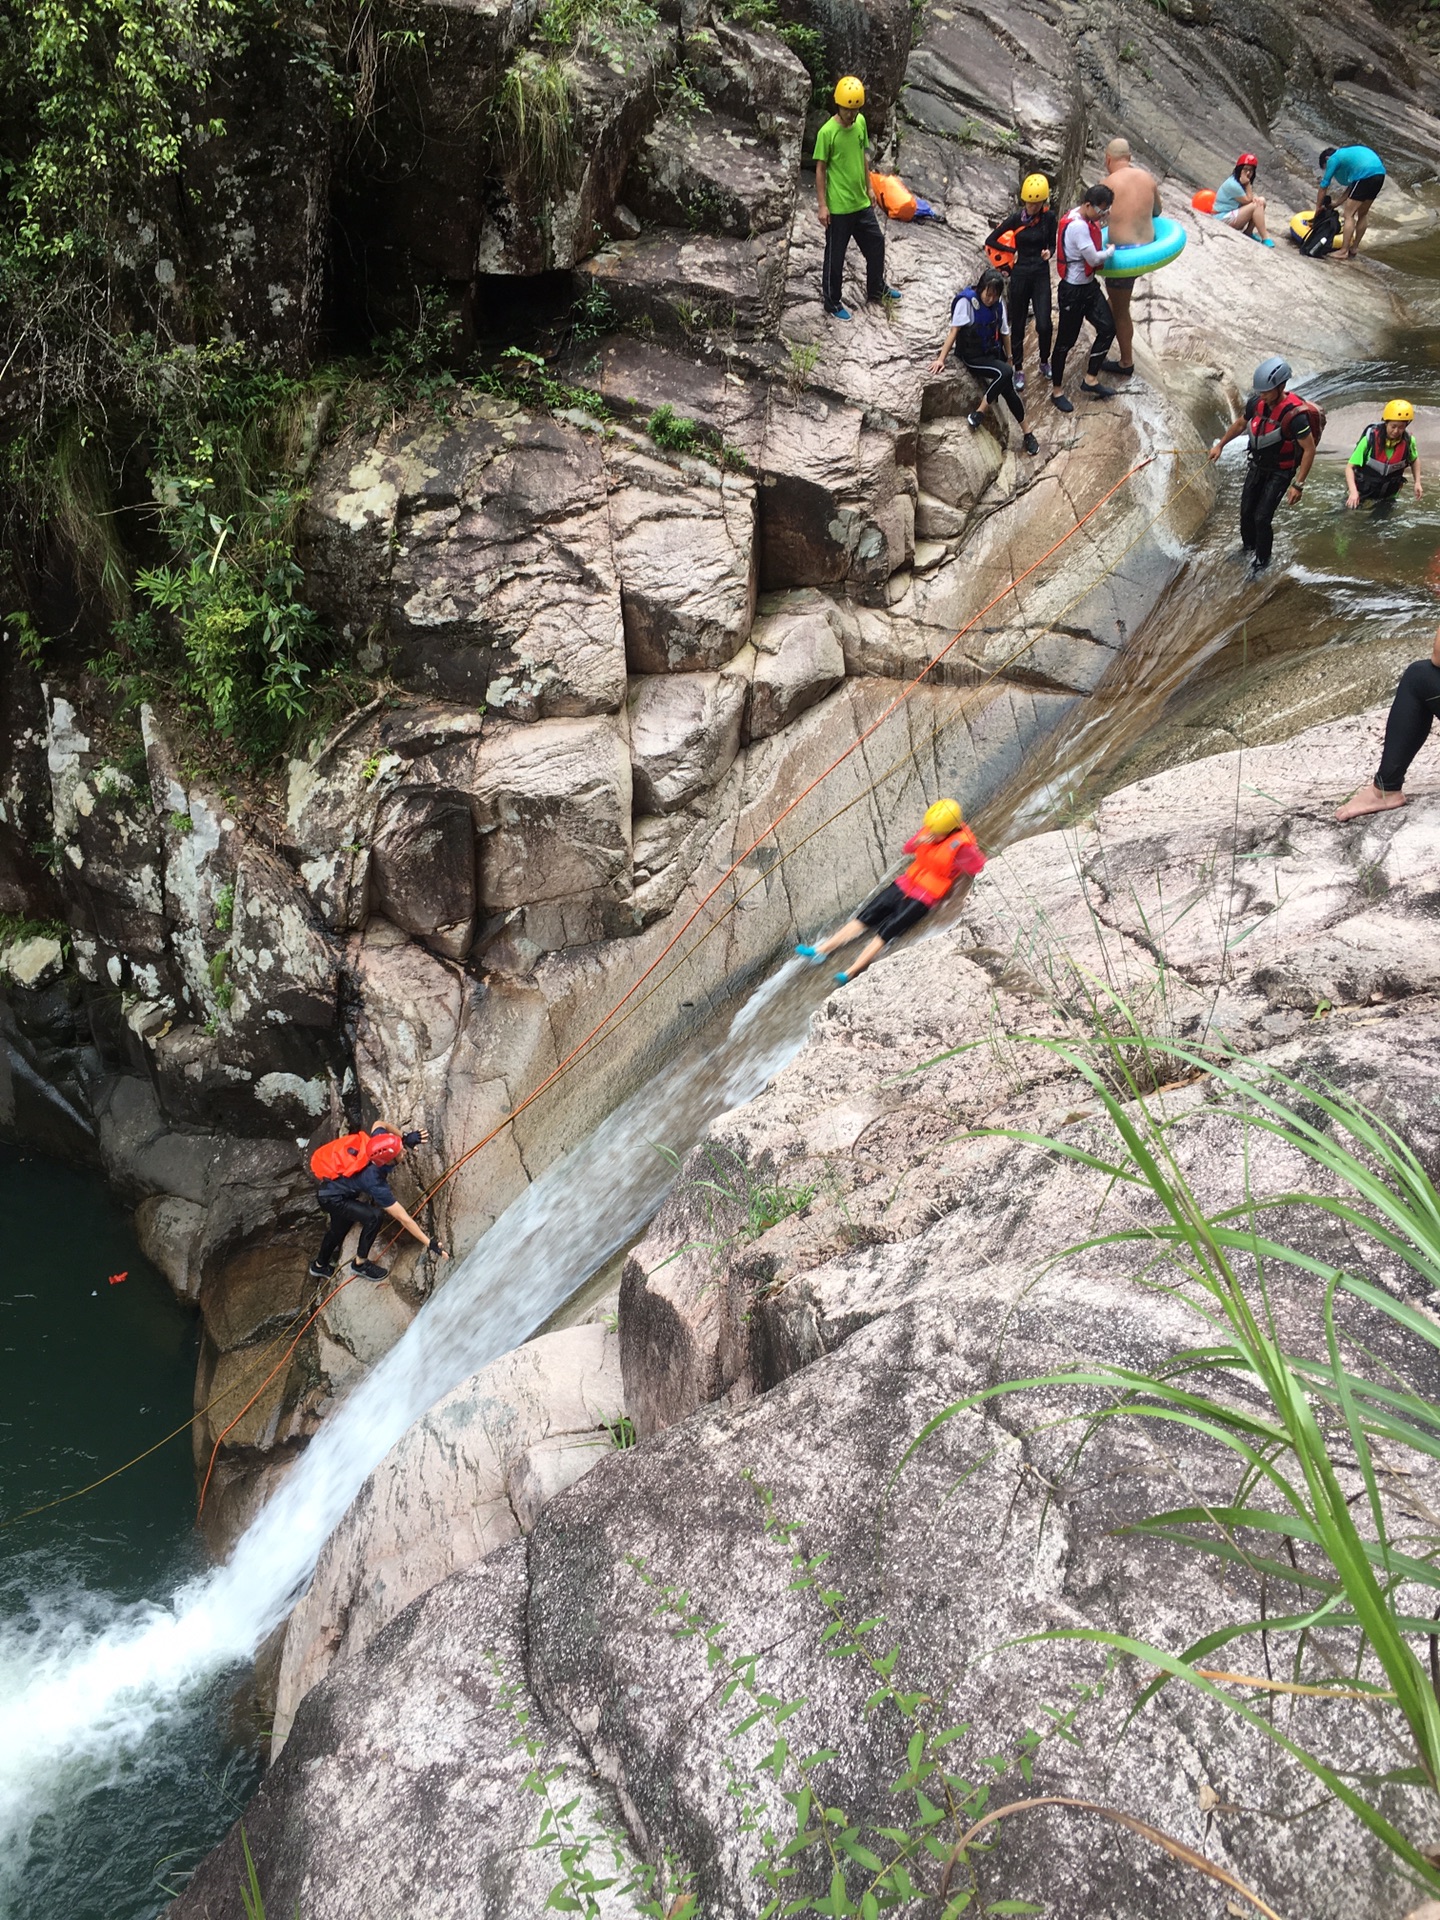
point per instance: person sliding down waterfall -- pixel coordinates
(945, 851)
(354, 1193)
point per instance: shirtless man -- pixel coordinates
(1132, 224)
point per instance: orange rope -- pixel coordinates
(598, 1029)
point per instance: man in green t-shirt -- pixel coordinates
(846, 204)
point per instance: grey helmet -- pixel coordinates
(1273, 372)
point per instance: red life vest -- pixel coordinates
(939, 864)
(1383, 455)
(339, 1158)
(1272, 430)
(1063, 259)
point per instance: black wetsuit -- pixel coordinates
(357, 1200)
(1277, 439)
(1412, 714)
(1030, 278)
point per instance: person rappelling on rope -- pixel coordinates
(355, 1193)
(1384, 454)
(945, 852)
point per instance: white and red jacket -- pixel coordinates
(1080, 249)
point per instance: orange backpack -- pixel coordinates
(893, 194)
(1002, 254)
(337, 1159)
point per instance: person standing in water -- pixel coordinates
(1407, 728)
(945, 852)
(845, 202)
(1282, 448)
(1384, 454)
(1033, 228)
(1132, 224)
(980, 334)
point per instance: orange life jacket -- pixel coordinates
(339, 1158)
(1002, 254)
(936, 867)
(893, 194)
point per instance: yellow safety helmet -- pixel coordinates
(1035, 191)
(849, 92)
(943, 816)
(1398, 410)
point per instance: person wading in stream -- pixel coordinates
(1132, 224)
(1082, 298)
(1282, 446)
(1407, 728)
(846, 201)
(1384, 454)
(945, 851)
(355, 1193)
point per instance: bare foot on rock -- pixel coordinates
(1369, 800)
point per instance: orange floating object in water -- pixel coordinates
(116, 1278)
(1204, 200)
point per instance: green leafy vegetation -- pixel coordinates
(1306, 1432)
(225, 908)
(621, 1429)
(806, 43)
(15, 927)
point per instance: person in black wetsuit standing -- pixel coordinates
(1282, 447)
(980, 334)
(1031, 231)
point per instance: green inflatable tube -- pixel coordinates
(1129, 262)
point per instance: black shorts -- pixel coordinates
(892, 913)
(1367, 188)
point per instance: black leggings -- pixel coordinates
(1077, 305)
(1412, 714)
(345, 1214)
(1262, 493)
(1030, 293)
(864, 229)
(996, 377)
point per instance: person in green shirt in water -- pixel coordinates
(846, 204)
(1384, 454)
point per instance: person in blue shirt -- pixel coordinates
(1238, 204)
(1353, 176)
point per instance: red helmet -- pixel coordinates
(1248, 160)
(385, 1148)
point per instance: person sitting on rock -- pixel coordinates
(1384, 454)
(980, 334)
(1282, 449)
(1031, 231)
(1407, 728)
(355, 1193)
(1082, 298)
(847, 202)
(945, 851)
(1238, 204)
(1354, 177)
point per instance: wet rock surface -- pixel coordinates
(905, 1256)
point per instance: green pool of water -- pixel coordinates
(90, 1375)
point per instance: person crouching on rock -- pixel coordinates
(980, 334)
(1407, 728)
(1384, 454)
(945, 851)
(355, 1193)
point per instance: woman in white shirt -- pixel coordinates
(980, 333)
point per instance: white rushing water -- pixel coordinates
(84, 1691)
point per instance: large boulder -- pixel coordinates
(476, 1472)
(684, 734)
(799, 658)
